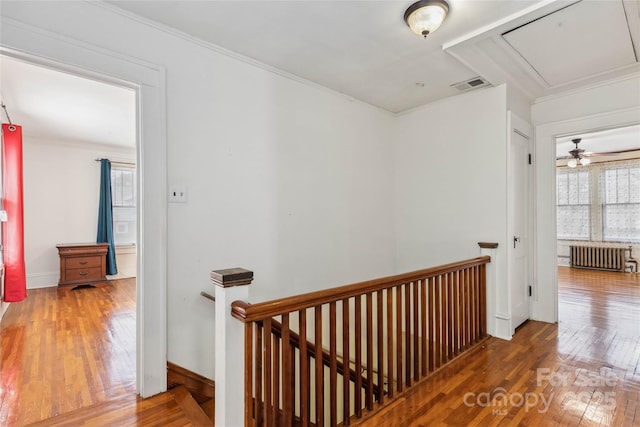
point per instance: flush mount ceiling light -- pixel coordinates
(425, 16)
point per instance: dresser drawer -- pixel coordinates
(83, 262)
(88, 274)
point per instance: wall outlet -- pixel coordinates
(3, 216)
(178, 194)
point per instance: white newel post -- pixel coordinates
(497, 299)
(231, 285)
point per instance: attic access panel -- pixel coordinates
(581, 40)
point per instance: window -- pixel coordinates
(621, 204)
(573, 205)
(123, 199)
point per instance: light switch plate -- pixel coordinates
(3, 216)
(178, 194)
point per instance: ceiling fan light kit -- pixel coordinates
(579, 155)
(426, 16)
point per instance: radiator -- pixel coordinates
(598, 257)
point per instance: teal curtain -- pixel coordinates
(105, 216)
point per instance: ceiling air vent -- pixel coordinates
(474, 83)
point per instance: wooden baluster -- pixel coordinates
(399, 379)
(310, 365)
(416, 333)
(478, 300)
(287, 374)
(472, 297)
(276, 377)
(463, 311)
(483, 301)
(431, 323)
(439, 324)
(380, 342)
(346, 357)
(259, 354)
(424, 321)
(444, 289)
(369, 332)
(268, 385)
(390, 342)
(248, 376)
(472, 312)
(456, 313)
(449, 321)
(357, 403)
(319, 368)
(407, 333)
(333, 368)
(469, 281)
(293, 385)
(304, 369)
(478, 304)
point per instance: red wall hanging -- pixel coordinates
(15, 282)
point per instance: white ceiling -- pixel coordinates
(52, 105)
(556, 46)
(360, 48)
(364, 49)
(571, 30)
(609, 140)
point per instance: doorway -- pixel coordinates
(545, 274)
(61, 193)
(519, 220)
(598, 205)
(147, 80)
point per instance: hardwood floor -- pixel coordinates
(67, 358)
(65, 349)
(584, 371)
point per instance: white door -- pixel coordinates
(519, 208)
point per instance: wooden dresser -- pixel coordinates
(82, 263)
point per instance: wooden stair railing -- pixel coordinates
(397, 330)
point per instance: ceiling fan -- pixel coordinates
(578, 155)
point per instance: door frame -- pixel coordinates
(61, 53)
(544, 303)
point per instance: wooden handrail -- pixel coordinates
(252, 312)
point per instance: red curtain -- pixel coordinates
(15, 282)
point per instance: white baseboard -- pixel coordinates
(503, 326)
(42, 280)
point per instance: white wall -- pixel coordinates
(126, 260)
(285, 178)
(451, 187)
(449, 153)
(614, 104)
(61, 195)
(519, 104)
